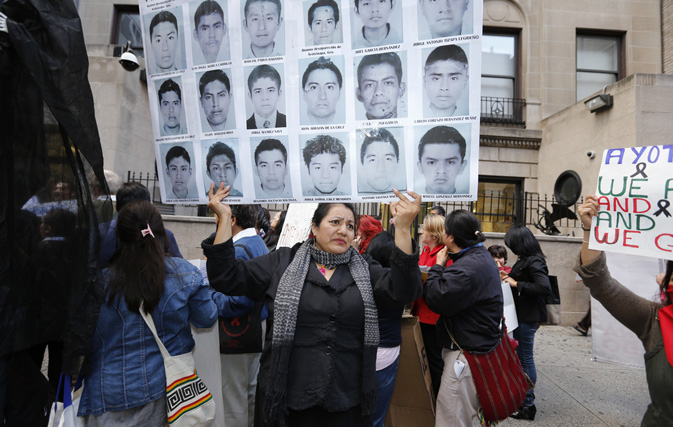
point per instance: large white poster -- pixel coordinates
(317, 100)
(634, 197)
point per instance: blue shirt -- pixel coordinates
(127, 369)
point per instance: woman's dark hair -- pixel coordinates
(465, 228)
(323, 209)
(138, 270)
(498, 251)
(380, 248)
(522, 242)
(281, 221)
(271, 238)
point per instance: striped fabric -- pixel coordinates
(499, 378)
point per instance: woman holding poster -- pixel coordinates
(318, 365)
(652, 321)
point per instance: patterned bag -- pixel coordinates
(188, 399)
(498, 377)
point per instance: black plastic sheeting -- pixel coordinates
(53, 196)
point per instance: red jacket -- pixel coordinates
(428, 258)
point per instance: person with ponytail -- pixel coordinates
(651, 321)
(318, 366)
(467, 295)
(127, 384)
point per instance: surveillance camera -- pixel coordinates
(129, 61)
(591, 154)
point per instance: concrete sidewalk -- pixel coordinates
(573, 390)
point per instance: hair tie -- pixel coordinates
(476, 233)
(147, 231)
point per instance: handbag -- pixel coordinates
(498, 377)
(242, 334)
(64, 414)
(188, 400)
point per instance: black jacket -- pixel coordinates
(468, 297)
(325, 368)
(532, 287)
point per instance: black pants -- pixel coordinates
(434, 353)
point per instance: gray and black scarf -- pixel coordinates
(286, 305)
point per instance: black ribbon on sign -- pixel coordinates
(663, 205)
(640, 170)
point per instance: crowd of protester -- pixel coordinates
(322, 318)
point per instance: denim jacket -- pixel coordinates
(127, 367)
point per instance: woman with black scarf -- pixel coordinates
(318, 365)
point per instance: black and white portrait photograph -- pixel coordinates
(166, 43)
(446, 90)
(271, 168)
(265, 100)
(322, 98)
(178, 164)
(263, 29)
(380, 165)
(442, 159)
(221, 165)
(381, 86)
(325, 170)
(376, 23)
(216, 100)
(172, 118)
(210, 31)
(444, 18)
(323, 25)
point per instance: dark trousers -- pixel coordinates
(433, 352)
(585, 323)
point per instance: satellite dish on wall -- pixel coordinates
(567, 190)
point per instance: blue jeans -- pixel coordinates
(385, 378)
(525, 334)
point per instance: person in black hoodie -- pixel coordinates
(529, 280)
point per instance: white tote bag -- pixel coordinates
(65, 414)
(188, 399)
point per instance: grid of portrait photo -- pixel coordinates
(314, 100)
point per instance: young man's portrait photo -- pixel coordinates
(272, 178)
(179, 180)
(381, 87)
(376, 23)
(166, 41)
(221, 166)
(381, 163)
(323, 23)
(445, 82)
(321, 91)
(265, 97)
(444, 18)
(263, 29)
(210, 35)
(171, 111)
(215, 98)
(325, 172)
(442, 159)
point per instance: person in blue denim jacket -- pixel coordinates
(127, 383)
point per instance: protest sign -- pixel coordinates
(634, 192)
(315, 102)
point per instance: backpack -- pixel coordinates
(243, 334)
